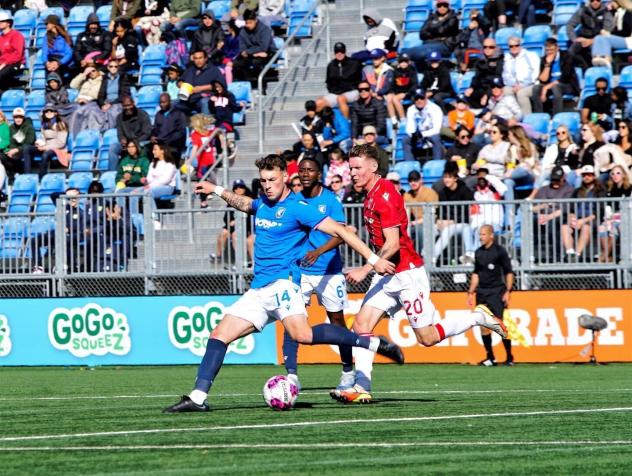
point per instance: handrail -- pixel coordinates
(263, 99)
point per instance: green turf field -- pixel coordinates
(446, 419)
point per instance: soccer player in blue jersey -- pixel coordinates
(321, 270)
(282, 222)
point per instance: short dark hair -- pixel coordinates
(364, 150)
(312, 158)
(199, 50)
(250, 14)
(451, 170)
(601, 79)
(310, 105)
(271, 162)
(550, 42)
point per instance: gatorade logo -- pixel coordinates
(5, 336)
(190, 327)
(91, 330)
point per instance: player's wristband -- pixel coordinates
(219, 190)
(373, 259)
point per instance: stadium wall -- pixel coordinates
(173, 330)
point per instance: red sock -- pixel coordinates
(439, 328)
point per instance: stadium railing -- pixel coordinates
(267, 96)
(167, 251)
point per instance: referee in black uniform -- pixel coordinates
(492, 282)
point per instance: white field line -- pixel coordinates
(234, 395)
(310, 446)
(345, 422)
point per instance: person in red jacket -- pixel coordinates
(11, 51)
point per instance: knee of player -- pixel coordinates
(302, 336)
(427, 336)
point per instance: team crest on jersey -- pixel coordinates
(385, 196)
(280, 212)
(322, 208)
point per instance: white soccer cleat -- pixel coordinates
(490, 321)
(293, 378)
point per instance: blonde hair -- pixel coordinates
(626, 178)
(201, 123)
(526, 146)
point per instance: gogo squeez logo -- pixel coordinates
(91, 330)
(5, 336)
(190, 327)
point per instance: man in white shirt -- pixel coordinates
(423, 125)
(520, 73)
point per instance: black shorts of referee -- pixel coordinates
(493, 299)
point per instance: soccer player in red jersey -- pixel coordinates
(386, 221)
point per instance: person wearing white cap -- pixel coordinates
(581, 220)
(22, 135)
(11, 51)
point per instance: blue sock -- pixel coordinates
(210, 365)
(336, 335)
(346, 357)
(290, 352)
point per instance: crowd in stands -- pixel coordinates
(483, 101)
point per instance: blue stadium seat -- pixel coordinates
(454, 79)
(104, 12)
(38, 80)
(539, 122)
(502, 37)
(150, 75)
(474, 4)
(44, 204)
(414, 20)
(16, 227)
(466, 81)
(625, 78)
(569, 119)
(72, 94)
(59, 11)
(411, 40)
(25, 21)
(25, 184)
(78, 16)
(11, 248)
(219, 7)
(52, 182)
(433, 170)
(148, 96)
(41, 225)
(278, 42)
(590, 76)
(562, 39)
(10, 100)
(563, 13)
(405, 167)
(242, 91)
(81, 160)
(19, 204)
(108, 180)
(154, 55)
(534, 37)
(427, 4)
(80, 181)
(109, 137)
(298, 10)
(86, 140)
(35, 101)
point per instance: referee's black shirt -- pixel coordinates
(492, 264)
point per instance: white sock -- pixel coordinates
(458, 325)
(373, 345)
(364, 361)
(198, 396)
(394, 120)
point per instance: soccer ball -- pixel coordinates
(279, 393)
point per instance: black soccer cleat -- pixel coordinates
(390, 350)
(186, 405)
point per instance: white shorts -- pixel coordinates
(408, 290)
(331, 290)
(277, 300)
(351, 96)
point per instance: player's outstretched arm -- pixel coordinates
(333, 228)
(238, 202)
(311, 256)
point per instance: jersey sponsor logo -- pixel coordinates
(322, 209)
(280, 212)
(491, 266)
(267, 224)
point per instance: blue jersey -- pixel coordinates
(329, 262)
(281, 230)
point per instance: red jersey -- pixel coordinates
(384, 208)
(207, 156)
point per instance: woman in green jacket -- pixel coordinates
(132, 169)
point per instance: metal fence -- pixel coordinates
(115, 245)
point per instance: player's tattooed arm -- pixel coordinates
(238, 202)
(391, 243)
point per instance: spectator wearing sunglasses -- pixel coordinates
(597, 107)
(488, 67)
(368, 111)
(592, 19)
(464, 152)
(520, 73)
